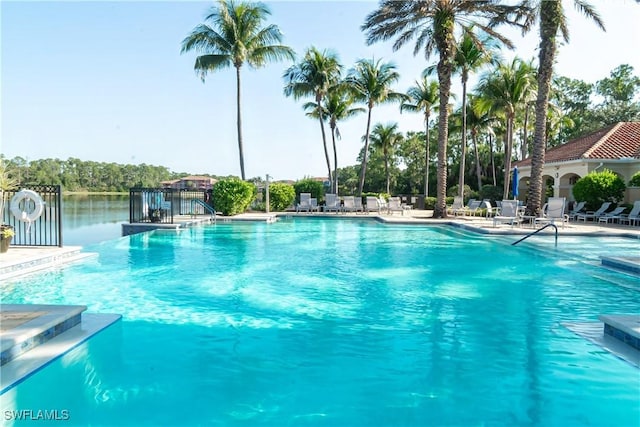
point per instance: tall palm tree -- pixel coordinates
(314, 76)
(337, 107)
(370, 82)
(433, 23)
(552, 22)
(423, 97)
(233, 35)
(479, 120)
(386, 137)
(507, 88)
(470, 56)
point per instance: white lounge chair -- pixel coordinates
(305, 203)
(358, 204)
(457, 208)
(474, 207)
(508, 213)
(348, 204)
(314, 205)
(395, 205)
(553, 211)
(332, 203)
(576, 210)
(593, 215)
(632, 217)
(372, 205)
(612, 216)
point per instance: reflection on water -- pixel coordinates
(89, 218)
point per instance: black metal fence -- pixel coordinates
(21, 212)
(162, 205)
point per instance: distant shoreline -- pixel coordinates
(94, 193)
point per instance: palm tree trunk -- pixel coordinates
(493, 161)
(239, 123)
(474, 139)
(335, 160)
(426, 155)
(524, 149)
(508, 147)
(463, 151)
(324, 138)
(363, 169)
(386, 170)
(444, 79)
(549, 13)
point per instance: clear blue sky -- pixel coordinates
(105, 81)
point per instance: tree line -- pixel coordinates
(461, 35)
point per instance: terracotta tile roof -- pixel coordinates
(612, 142)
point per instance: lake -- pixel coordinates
(92, 218)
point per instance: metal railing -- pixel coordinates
(46, 229)
(536, 232)
(161, 205)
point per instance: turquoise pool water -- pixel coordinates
(337, 323)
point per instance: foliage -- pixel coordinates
(234, 34)
(468, 192)
(6, 231)
(7, 183)
(430, 203)
(599, 187)
(281, 196)
(635, 180)
(308, 185)
(491, 192)
(232, 196)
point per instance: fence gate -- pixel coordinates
(46, 230)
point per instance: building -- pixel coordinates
(615, 147)
(190, 183)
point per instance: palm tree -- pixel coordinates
(479, 120)
(433, 23)
(552, 21)
(386, 137)
(505, 89)
(423, 97)
(470, 56)
(236, 36)
(371, 83)
(314, 76)
(337, 107)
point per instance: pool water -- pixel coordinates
(318, 322)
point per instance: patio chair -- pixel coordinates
(358, 204)
(474, 207)
(457, 208)
(553, 211)
(593, 215)
(508, 213)
(632, 217)
(394, 205)
(489, 209)
(305, 203)
(313, 202)
(331, 203)
(372, 205)
(612, 216)
(579, 206)
(348, 204)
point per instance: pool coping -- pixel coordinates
(28, 363)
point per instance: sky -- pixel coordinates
(105, 81)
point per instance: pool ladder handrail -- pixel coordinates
(537, 231)
(206, 206)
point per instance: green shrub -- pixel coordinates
(430, 202)
(635, 180)
(599, 187)
(491, 192)
(468, 192)
(281, 196)
(232, 196)
(308, 185)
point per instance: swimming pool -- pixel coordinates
(336, 323)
